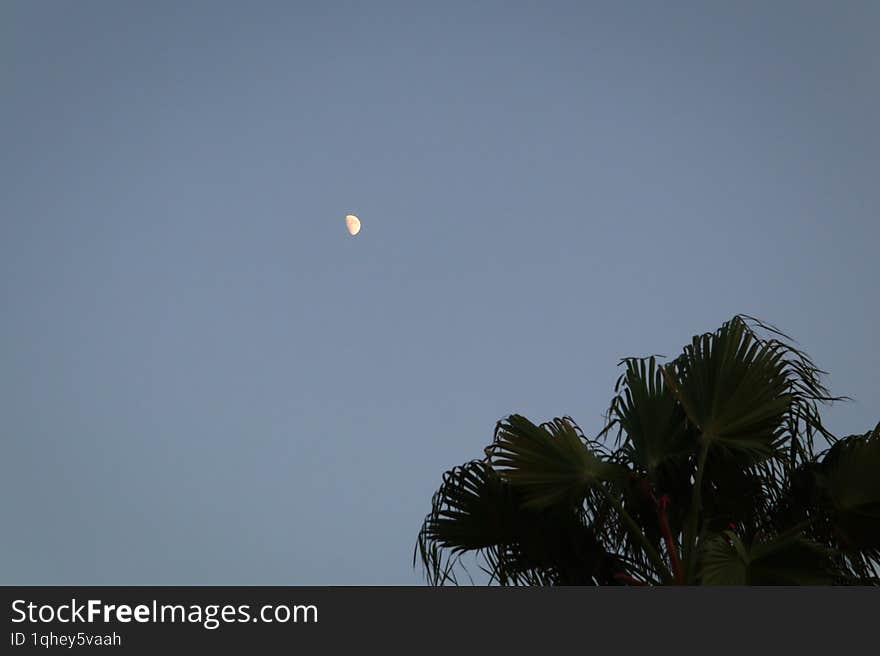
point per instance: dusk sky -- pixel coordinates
(204, 379)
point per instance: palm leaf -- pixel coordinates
(476, 511)
(850, 473)
(784, 560)
(658, 439)
(473, 509)
(735, 389)
(550, 463)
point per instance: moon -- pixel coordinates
(353, 224)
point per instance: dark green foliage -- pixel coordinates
(783, 560)
(705, 473)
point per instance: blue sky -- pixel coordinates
(205, 380)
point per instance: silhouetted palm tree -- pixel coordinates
(706, 473)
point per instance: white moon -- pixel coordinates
(353, 224)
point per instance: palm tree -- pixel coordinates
(707, 472)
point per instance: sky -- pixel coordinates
(204, 379)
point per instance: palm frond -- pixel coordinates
(734, 389)
(476, 511)
(551, 463)
(784, 560)
(850, 474)
(653, 429)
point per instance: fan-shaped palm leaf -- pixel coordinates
(550, 463)
(475, 510)
(657, 437)
(850, 472)
(785, 560)
(734, 388)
